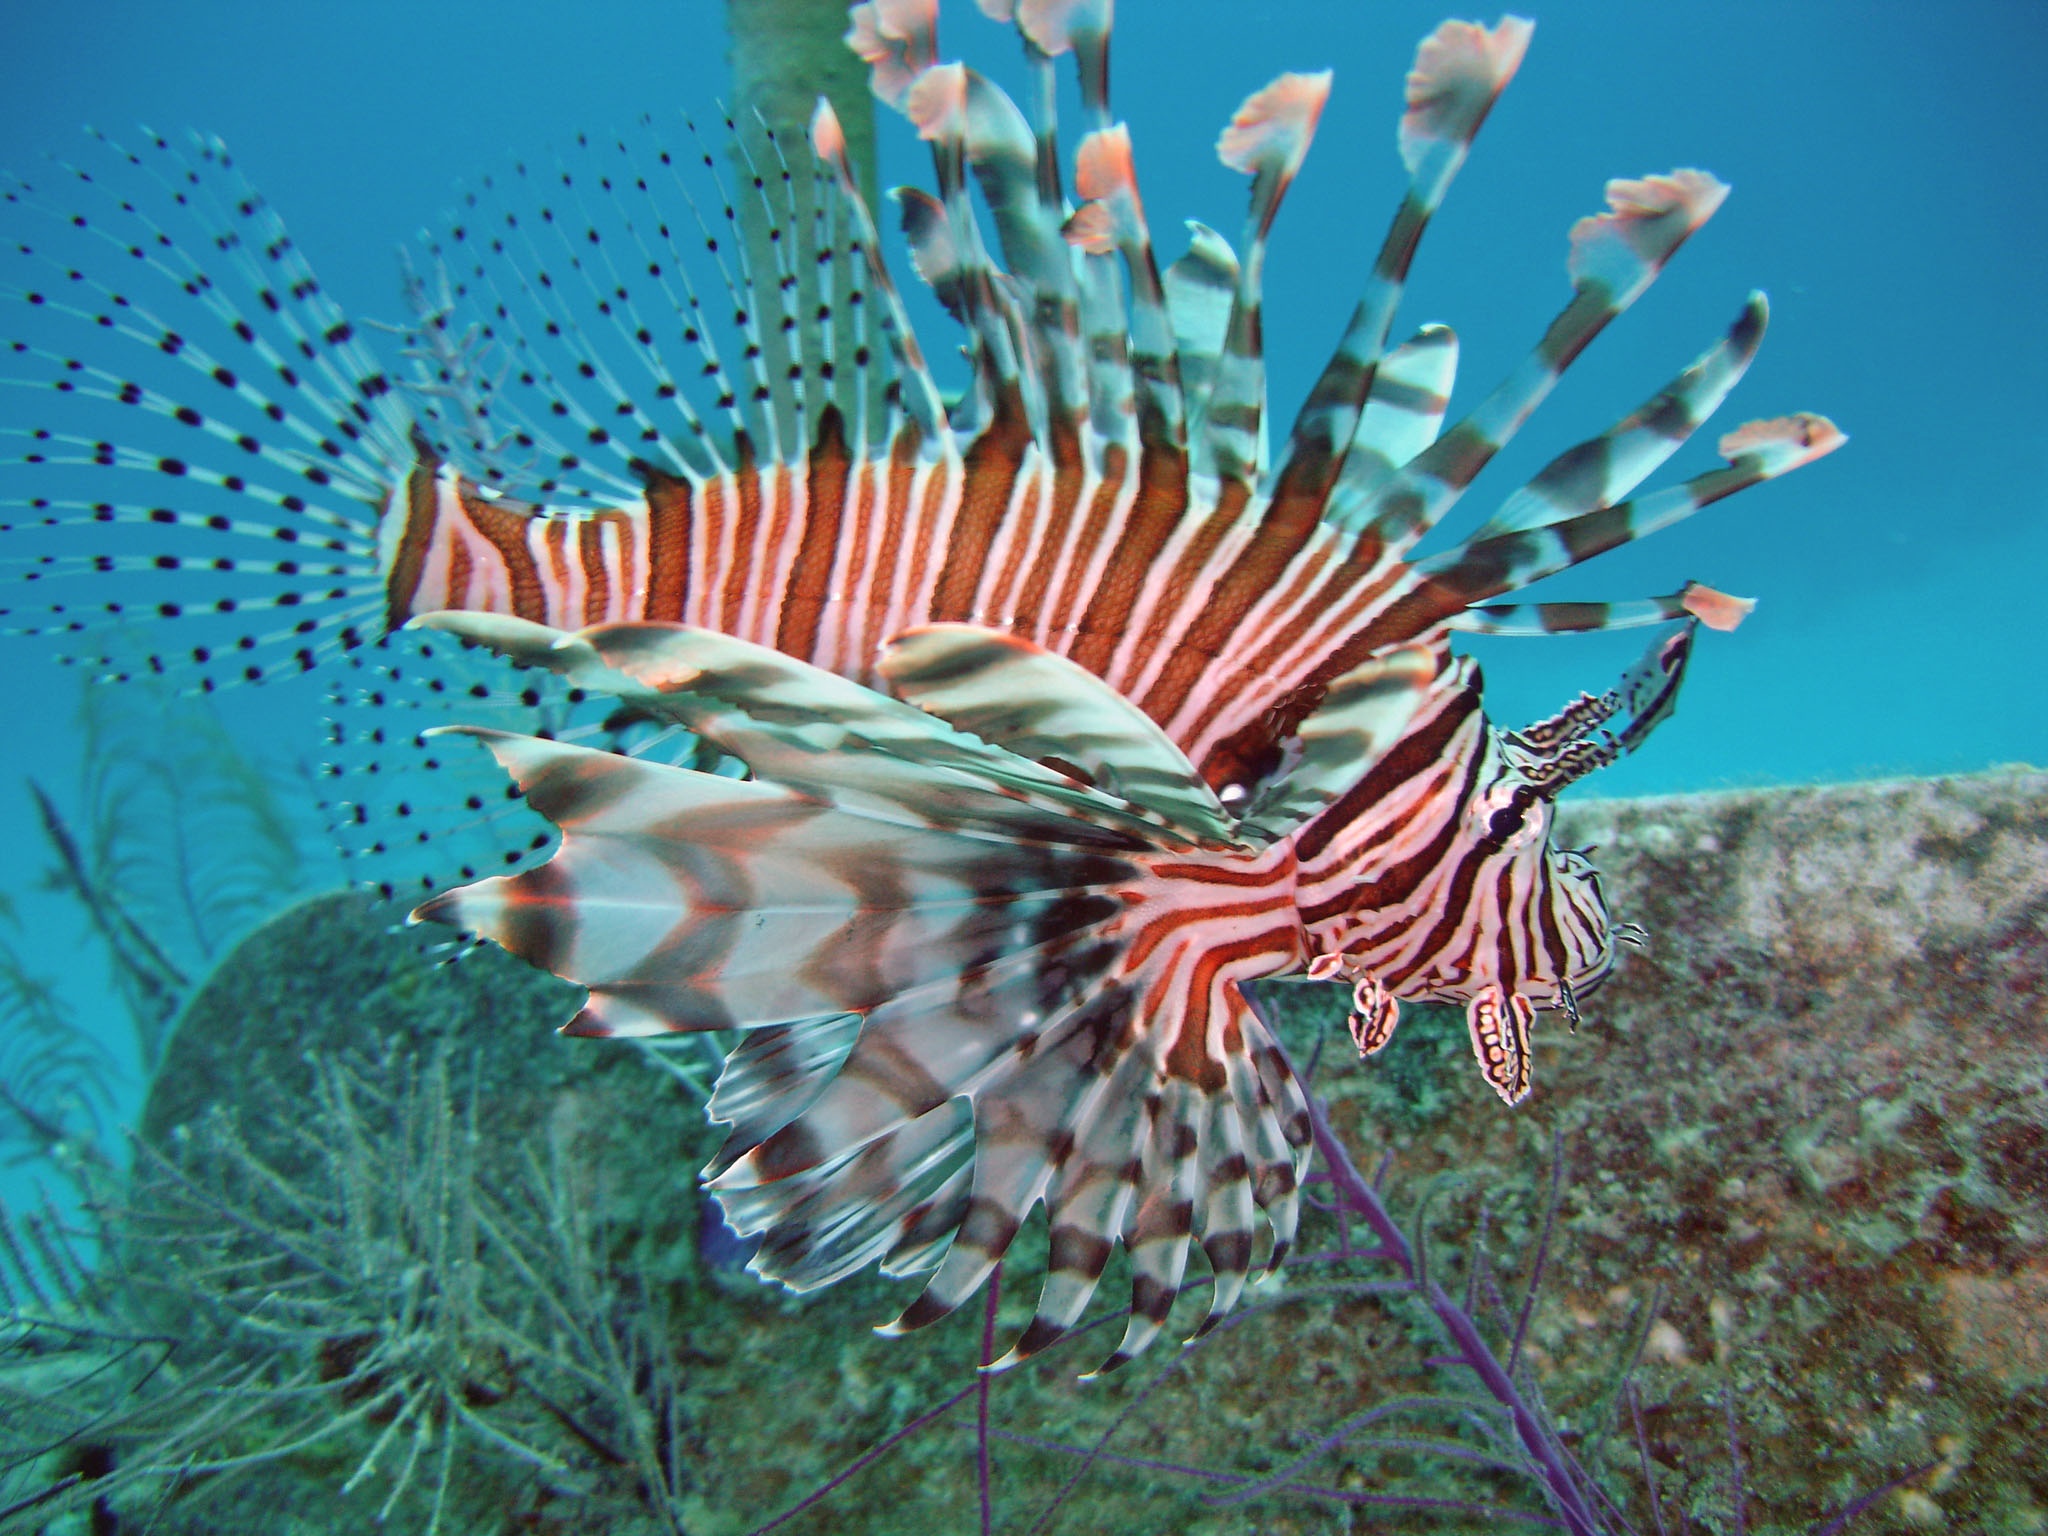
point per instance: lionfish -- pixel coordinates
(1068, 708)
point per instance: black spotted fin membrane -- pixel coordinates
(193, 435)
(415, 813)
(191, 430)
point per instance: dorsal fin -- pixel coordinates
(1199, 288)
(1008, 164)
(937, 107)
(1411, 390)
(1266, 139)
(1486, 567)
(1614, 257)
(1459, 71)
(899, 41)
(1106, 178)
(917, 392)
(1716, 610)
(1602, 470)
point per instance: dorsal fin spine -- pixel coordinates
(1614, 257)
(1266, 139)
(1106, 175)
(917, 392)
(1460, 71)
(936, 105)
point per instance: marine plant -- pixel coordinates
(57, 1078)
(185, 840)
(348, 1293)
(182, 841)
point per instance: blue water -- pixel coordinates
(1888, 195)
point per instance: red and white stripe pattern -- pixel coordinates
(1173, 711)
(1046, 962)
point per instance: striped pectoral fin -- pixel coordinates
(638, 900)
(878, 1202)
(1160, 1232)
(1499, 1023)
(1023, 1124)
(943, 1127)
(815, 731)
(824, 735)
(980, 1035)
(1281, 1134)
(414, 812)
(1039, 705)
(1226, 1222)
(689, 901)
(1221, 1145)
(1153, 1157)
(1364, 713)
(774, 1074)
(1098, 1170)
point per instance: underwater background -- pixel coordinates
(1888, 196)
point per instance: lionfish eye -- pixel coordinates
(1509, 819)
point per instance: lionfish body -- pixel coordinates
(1069, 709)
